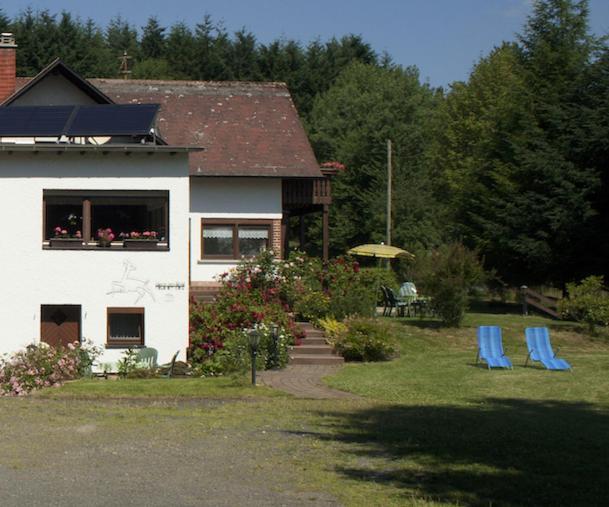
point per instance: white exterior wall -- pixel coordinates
(252, 198)
(32, 276)
(54, 90)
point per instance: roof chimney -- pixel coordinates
(8, 65)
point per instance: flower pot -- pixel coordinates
(65, 243)
(140, 244)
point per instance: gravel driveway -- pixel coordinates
(117, 453)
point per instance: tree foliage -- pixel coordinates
(512, 162)
(352, 122)
(587, 302)
(449, 275)
(205, 51)
(509, 148)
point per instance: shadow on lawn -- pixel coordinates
(504, 452)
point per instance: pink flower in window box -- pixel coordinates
(105, 236)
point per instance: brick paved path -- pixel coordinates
(304, 381)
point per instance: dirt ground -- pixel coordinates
(117, 453)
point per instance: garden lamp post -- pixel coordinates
(253, 336)
(275, 336)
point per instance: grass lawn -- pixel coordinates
(429, 428)
(459, 433)
(209, 388)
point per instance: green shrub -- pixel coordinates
(338, 288)
(365, 340)
(449, 275)
(375, 277)
(333, 329)
(349, 292)
(587, 302)
(312, 305)
(358, 300)
(233, 355)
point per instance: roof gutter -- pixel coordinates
(93, 148)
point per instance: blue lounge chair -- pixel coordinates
(490, 348)
(540, 349)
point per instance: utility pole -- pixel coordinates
(389, 191)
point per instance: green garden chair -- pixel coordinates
(167, 369)
(147, 357)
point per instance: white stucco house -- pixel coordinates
(122, 199)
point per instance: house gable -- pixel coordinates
(57, 85)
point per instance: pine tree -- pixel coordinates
(244, 56)
(181, 51)
(153, 39)
(121, 36)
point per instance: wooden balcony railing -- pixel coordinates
(306, 193)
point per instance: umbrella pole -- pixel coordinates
(378, 285)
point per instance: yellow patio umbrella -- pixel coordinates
(380, 251)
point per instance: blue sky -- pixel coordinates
(443, 38)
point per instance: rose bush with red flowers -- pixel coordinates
(250, 297)
(262, 292)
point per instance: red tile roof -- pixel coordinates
(247, 129)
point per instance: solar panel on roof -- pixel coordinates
(31, 121)
(113, 120)
(77, 121)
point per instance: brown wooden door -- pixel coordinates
(60, 324)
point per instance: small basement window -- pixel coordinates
(233, 240)
(125, 327)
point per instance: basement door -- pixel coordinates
(60, 324)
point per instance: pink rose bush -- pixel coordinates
(41, 366)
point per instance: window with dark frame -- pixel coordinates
(126, 215)
(227, 239)
(125, 327)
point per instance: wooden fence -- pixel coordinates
(545, 304)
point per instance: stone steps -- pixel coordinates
(315, 341)
(315, 359)
(308, 348)
(313, 349)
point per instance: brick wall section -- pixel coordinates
(7, 72)
(277, 240)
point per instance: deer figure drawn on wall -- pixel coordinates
(130, 284)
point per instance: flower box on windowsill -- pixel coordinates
(66, 243)
(140, 244)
